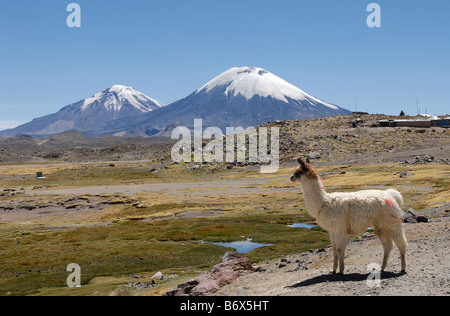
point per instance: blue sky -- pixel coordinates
(167, 49)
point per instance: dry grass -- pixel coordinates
(33, 258)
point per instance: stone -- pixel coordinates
(230, 256)
(314, 155)
(134, 276)
(412, 218)
(422, 219)
(183, 289)
(241, 293)
(158, 276)
(405, 174)
(232, 267)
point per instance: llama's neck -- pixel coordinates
(314, 195)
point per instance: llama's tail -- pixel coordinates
(395, 200)
(396, 197)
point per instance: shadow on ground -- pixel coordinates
(353, 277)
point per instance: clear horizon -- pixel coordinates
(169, 49)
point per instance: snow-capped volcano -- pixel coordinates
(250, 82)
(117, 97)
(114, 103)
(239, 97)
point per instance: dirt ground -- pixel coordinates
(428, 270)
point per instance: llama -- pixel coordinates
(350, 214)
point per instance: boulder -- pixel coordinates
(158, 276)
(232, 267)
(411, 217)
(230, 256)
(314, 155)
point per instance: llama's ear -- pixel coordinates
(307, 160)
(302, 163)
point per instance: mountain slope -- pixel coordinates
(245, 97)
(116, 102)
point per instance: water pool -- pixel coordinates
(240, 246)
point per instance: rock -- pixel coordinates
(227, 272)
(405, 174)
(302, 265)
(314, 155)
(230, 256)
(140, 285)
(410, 217)
(183, 289)
(422, 219)
(241, 293)
(413, 218)
(158, 276)
(209, 286)
(73, 206)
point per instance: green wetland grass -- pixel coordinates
(33, 260)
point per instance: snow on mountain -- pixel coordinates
(115, 97)
(114, 103)
(251, 81)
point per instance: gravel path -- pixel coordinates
(428, 268)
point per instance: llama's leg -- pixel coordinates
(386, 240)
(341, 245)
(400, 240)
(335, 253)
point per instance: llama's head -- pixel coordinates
(305, 169)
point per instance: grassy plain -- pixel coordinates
(162, 228)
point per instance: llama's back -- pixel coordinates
(353, 212)
(369, 201)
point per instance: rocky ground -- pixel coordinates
(334, 140)
(308, 274)
(75, 147)
(331, 140)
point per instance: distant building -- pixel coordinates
(415, 123)
(434, 122)
(361, 113)
(40, 176)
(441, 123)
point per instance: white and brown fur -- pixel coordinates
(350, 214)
